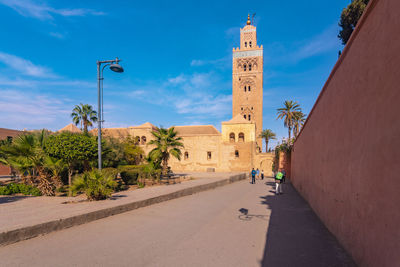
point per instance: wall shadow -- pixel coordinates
(296, 236)
(5, 200)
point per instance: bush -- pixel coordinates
(130, 177)
(130, 174)
(96, 184)
(14, 188)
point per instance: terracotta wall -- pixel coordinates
(346, 161)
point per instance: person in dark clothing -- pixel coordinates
(262, 174)
(253, 176)
(284, 176)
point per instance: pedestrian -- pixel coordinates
(258, 173)
(262, 174)
(278, 182)
(253, 176)
(284, 176)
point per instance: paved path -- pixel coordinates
(205, 229)
(23, 211)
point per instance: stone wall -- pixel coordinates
(346, 160)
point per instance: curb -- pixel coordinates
(24, 233)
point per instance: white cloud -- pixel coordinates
(28, 110)
(57, 35)
(42, 11)
(326, 41)
(199, 94)
(25, 66)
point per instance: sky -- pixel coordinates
(177, 57)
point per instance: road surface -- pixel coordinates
(236, 225)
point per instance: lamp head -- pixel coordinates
(116, 67)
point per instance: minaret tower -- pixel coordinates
(247, 78)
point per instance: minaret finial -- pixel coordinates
(248, 19)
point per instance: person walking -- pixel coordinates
(284, 176)
(262, 174)
(278, 182)
(253, 176)
(258, 173)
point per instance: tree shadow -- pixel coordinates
(296, 236)
(5, 200)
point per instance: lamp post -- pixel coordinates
(114, 66)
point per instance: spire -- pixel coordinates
(248, 19)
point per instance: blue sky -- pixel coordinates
(176, 55)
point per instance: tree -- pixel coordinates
(267, 134)
(167, 143)
(72, 149)
(133, 153)
(350, 17)
(84, 114)
(287, 113)
(26, 155)
(298, 122)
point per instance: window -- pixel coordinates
(236, 153)
(249, 67)
(244, 67)
(241, 137)
(242, 108)
(143, 140)
(250, 43)
(186, 155)
(245, 88)
(245, 44)
(244, 116)
(209, 155)
(249, 88)
(249, 117)
(231, 137)
(251, 108)
(137, 140)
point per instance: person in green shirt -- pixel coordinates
(278, 182)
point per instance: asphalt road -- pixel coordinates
(205, 229)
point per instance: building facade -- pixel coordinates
(238, 146)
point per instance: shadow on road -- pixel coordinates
(296, 236)
(5, 200)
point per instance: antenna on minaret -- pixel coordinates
(252, 18)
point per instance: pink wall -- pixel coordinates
(346, 160)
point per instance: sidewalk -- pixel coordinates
(23, 217)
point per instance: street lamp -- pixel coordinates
(114, 66)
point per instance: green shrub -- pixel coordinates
(4, 190)
(14, 188)
(130, 177)
(96, 184)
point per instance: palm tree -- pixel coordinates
(267, 134)
(167, 143)
(299, 119)
(287, 113)
(84, 114)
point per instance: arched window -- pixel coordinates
(245, 44)
(244, 116)
(137, 140)
(186, 155)
(241, 137)
(244, 67)
(143, 140)
(245, 88)
(249, 117)
(232, 137)
(250, 43)
(249, 67)
(249, 88)
(236, 153)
